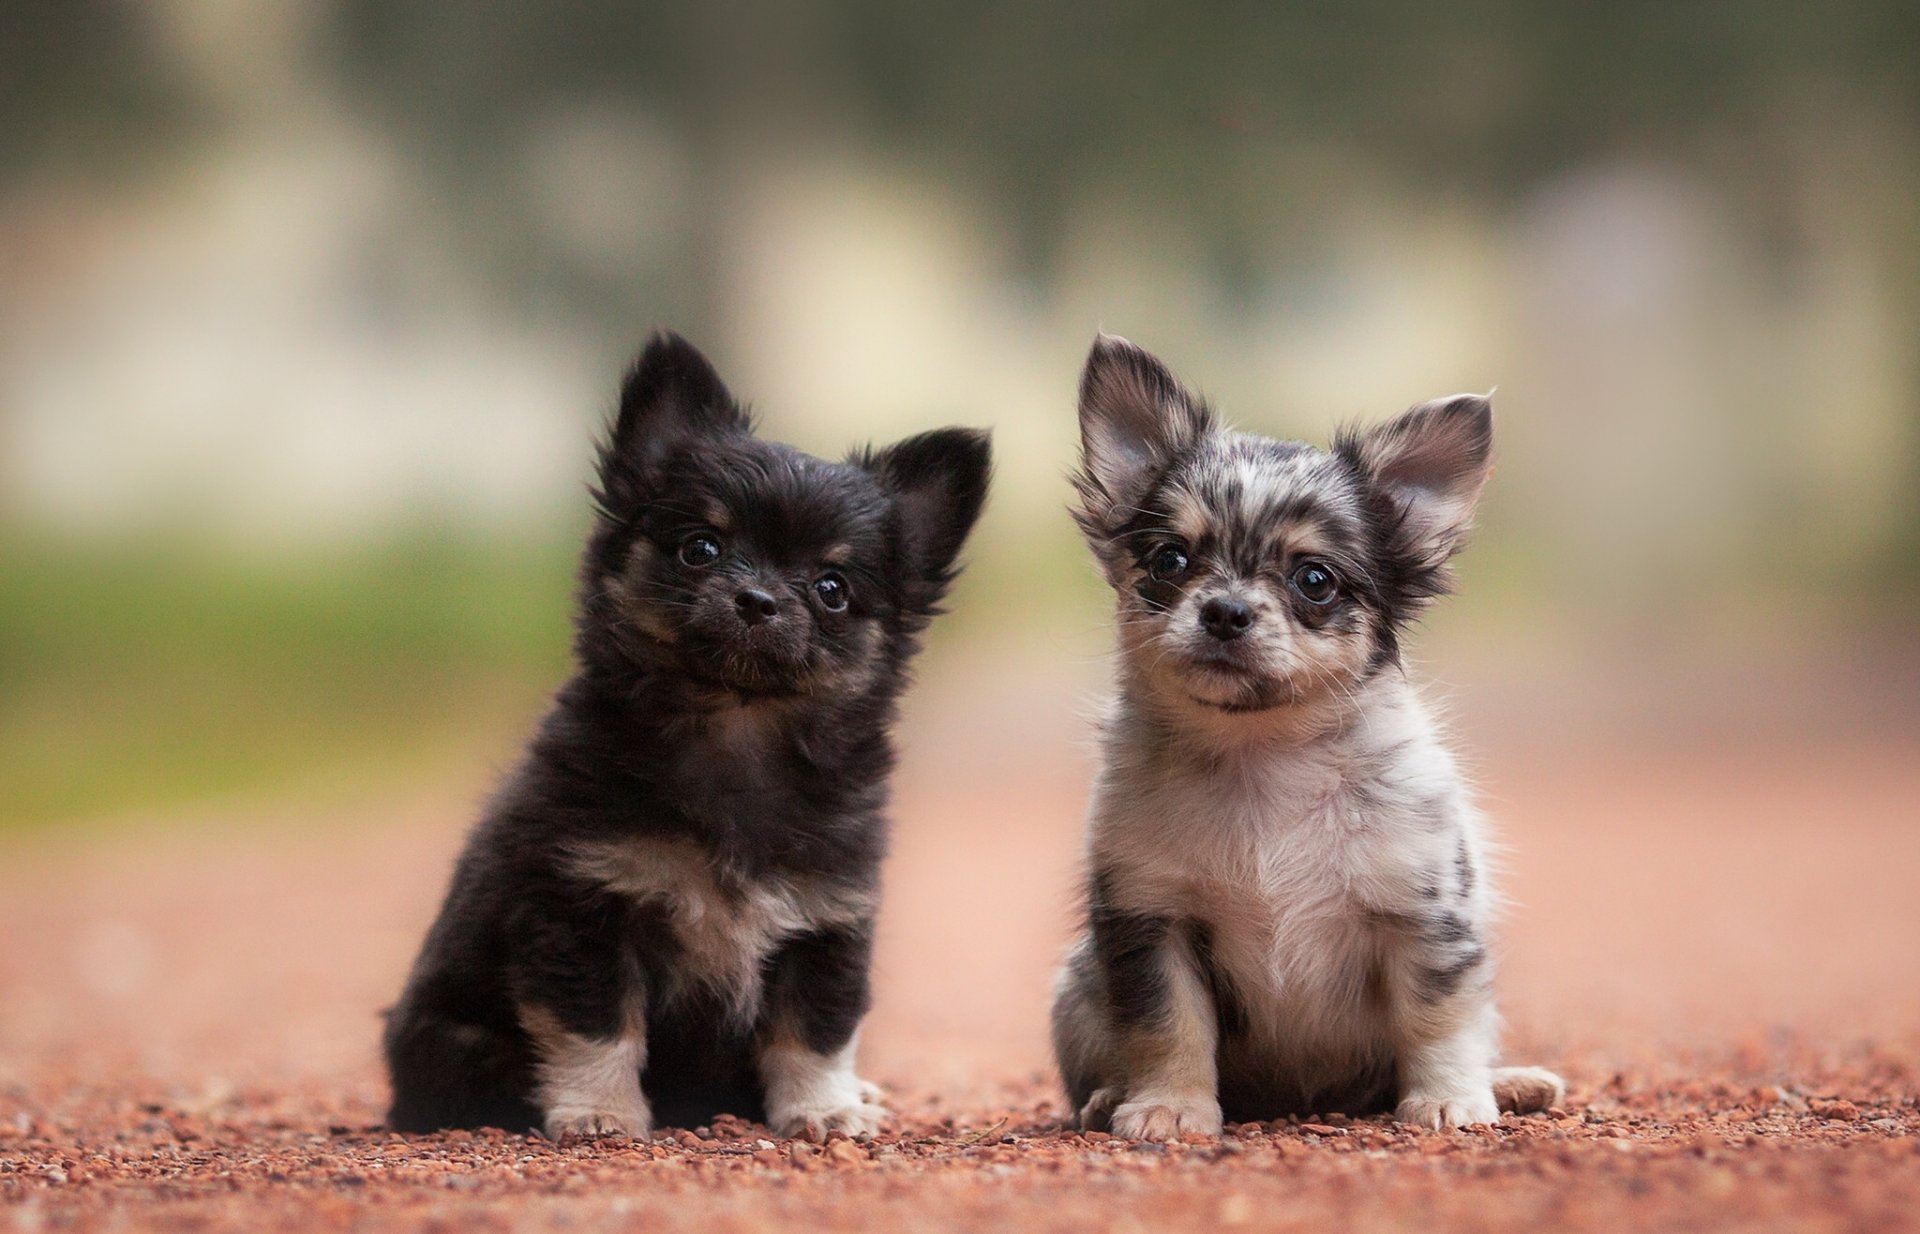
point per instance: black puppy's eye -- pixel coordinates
(702, 548)
(832, 590)
(1315, 583)
(1167, 563)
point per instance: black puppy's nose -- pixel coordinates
(755, 606)
(1225, 618)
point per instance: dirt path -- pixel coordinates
(1722, 952)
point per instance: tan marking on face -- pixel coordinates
(1189, 516)
(649, 617)
(864, 665)
(1302, 537)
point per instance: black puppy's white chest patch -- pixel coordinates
(724, 927)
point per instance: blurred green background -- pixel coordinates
(308, 313)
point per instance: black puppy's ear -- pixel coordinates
(671, 395)
(1428, 465)
(1135, 416)
(938, 482)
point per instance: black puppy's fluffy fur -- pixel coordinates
(686, 860)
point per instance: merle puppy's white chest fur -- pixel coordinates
(1300, 865)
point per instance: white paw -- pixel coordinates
(1166, 1118)
(856, 1111)
(860, 1118)
(1527, 1090)
(1436, 1113)
(564, 1122)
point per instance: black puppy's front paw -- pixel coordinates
(572, 1123)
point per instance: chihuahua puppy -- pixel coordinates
(667, 912)
(1287, 908)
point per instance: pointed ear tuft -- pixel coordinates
(1429, 463)
(1135, 416)
(938, 483)
(671, 394)
(672, 386)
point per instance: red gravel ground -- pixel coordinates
(1721, 951)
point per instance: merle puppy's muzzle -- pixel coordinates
(1226, 617)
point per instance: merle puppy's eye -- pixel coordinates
(1315, 583)
(832, 590)
(702, 548)
(1167, 563)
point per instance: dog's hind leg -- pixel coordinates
(1083, 1042)
(447, 1073)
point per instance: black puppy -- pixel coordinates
(667, 912)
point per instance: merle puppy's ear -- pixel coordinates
(938, 482)
(1427, 466)
(671, 395)
(1135, 417)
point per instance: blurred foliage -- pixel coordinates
(145, 675)
(1182, 107)
(81, 86)
(1215, 119)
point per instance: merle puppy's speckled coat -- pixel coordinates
(667, 911)
(1287, 905)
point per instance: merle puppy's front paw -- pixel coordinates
(565, 1123)
(1437, 1112)
(1527, 1090)
(854, 1110)
(1166, 1118)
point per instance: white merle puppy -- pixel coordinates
(667, 911)
(1287, 906)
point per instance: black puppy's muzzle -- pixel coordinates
(755, 606)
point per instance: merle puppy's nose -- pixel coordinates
(1225, 618)
(755, 606)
